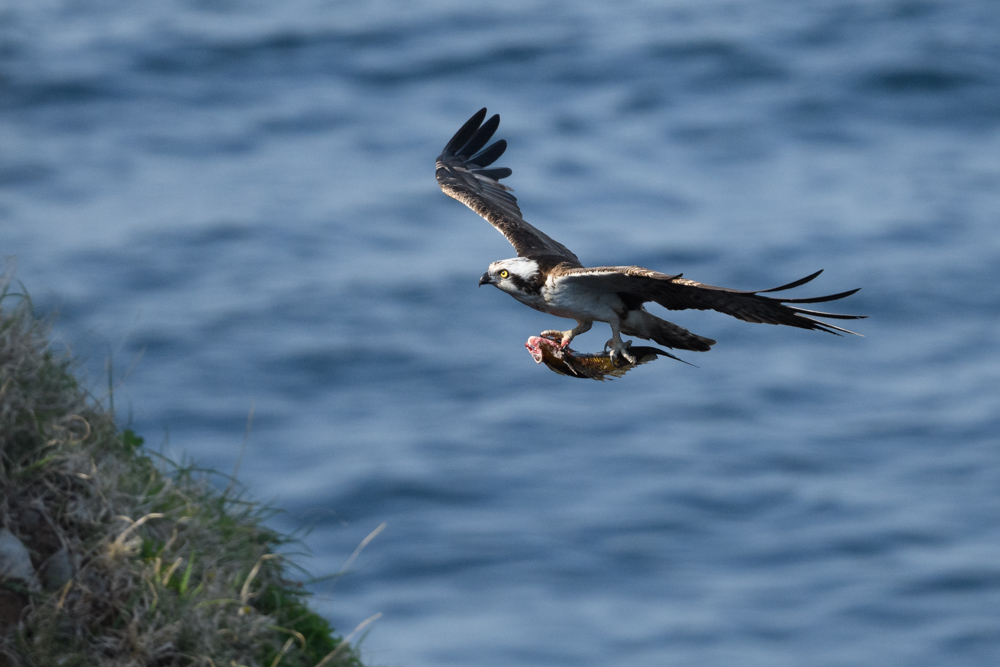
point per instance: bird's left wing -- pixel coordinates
(640, 285)
(462, 174)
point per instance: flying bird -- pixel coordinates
(547, 276)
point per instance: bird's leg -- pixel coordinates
(619, 350)
(564, 337)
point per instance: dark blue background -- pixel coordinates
(234, 201)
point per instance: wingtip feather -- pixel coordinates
(793, 284)
(480, 137)
(465, 132)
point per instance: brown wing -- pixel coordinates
(462, 175)
(677, 293)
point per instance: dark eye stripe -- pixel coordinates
(525, 286)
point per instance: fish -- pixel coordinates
(589, 365)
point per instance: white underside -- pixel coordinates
(572, 301)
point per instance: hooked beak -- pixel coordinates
(486, 279)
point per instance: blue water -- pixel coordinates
(234, 202)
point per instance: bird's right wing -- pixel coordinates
(462, 175)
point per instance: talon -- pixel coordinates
(610, 345)
(620, 358)
(619, 353)
(561, 337)
(552, 334)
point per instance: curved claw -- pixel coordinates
(560, 337)
(622, 358)
(620, 353)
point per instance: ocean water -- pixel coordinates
(234, 203)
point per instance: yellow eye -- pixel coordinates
(504, 273)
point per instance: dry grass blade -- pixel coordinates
(328, 659)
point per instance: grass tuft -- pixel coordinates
(139, 562)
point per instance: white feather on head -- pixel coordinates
(522, 267)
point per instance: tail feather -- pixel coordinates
(642, 324)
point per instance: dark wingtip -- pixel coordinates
(465, 132)
(796, 283)
(489, 155)
(480, 137)
(821, 299)
(832, 328)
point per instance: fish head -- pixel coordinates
(544, 349)
(534, 345)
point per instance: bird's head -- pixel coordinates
(513, 276)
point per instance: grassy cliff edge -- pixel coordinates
(109, 558)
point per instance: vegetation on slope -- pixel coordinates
(111, 559)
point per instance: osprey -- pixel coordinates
(548, 277)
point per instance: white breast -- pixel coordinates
(567, 299)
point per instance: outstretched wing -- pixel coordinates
(638, 285)
(462, 174)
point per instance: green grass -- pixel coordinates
(165, 568)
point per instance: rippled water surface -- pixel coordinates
(235, 203)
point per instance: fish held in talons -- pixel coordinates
(566, 361)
